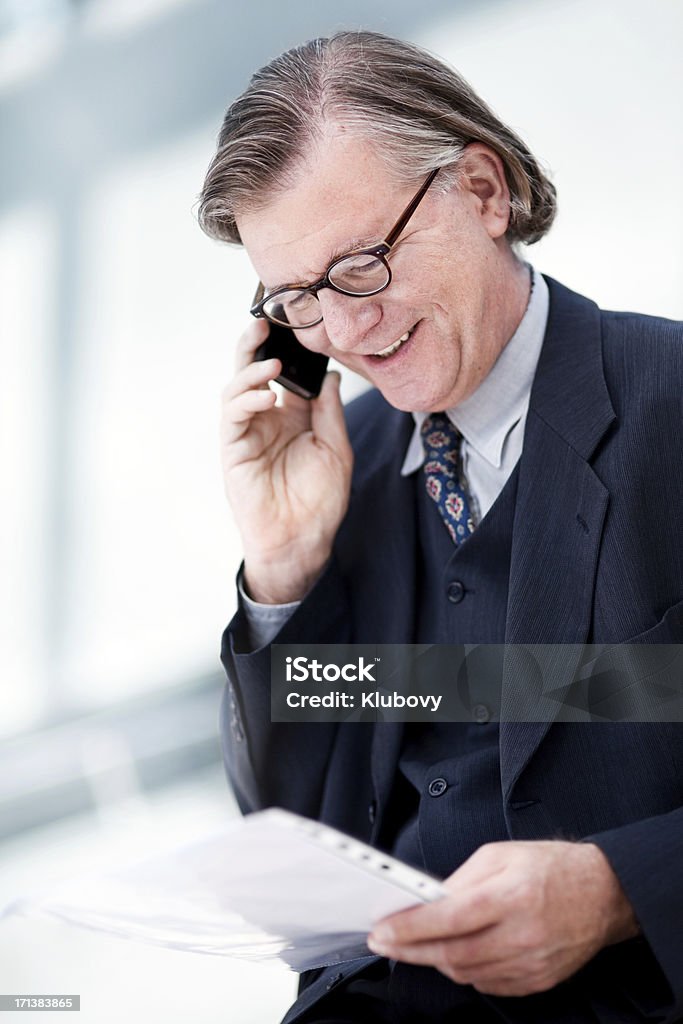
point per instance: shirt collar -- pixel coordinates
(486, 418)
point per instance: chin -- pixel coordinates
(412, 401)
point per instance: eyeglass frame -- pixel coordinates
(380, 251)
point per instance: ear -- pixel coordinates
(482, 176)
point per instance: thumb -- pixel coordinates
(327, 415)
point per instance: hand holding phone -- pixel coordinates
(287, 473)
(303, 371)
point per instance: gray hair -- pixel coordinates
(420, 112)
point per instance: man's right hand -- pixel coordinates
(287, 474)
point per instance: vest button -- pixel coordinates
(372, 812)
(481, 714)
(455, 592)
(437, 787)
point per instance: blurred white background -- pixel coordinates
(117, 320)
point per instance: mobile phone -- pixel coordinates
(303, 371)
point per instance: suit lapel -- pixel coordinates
(559, 518)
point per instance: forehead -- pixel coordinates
(341, 196)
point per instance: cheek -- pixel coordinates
(314, 338)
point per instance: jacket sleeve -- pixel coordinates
(647, 858)
(278, 764)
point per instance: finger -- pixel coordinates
(426, 954)
(245, 396)
(253, 375)
(470, 905)
(236, 421)
(497, 978)
(247, 343)
(507, 987)
(477, 951)
(238, 428)
(245, 406)
(444, 954)
(454, 915)
(512, 977)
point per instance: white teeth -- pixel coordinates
(395, 346)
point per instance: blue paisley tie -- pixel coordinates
(441, 442)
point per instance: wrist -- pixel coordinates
(286, 583)
(619, 918)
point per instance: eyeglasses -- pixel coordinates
(365, 272)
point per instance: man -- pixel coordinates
(549, 520)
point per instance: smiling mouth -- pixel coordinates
(395, 345)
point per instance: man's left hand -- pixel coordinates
(519, 917)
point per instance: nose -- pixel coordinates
(347, 319)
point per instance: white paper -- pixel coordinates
(269, 885)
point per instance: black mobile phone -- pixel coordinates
(303, 371)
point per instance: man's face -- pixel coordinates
(450, 271)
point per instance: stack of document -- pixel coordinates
(269, 885)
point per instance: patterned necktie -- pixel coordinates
(441, 442)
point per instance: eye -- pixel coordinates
(288, 302)
(298, 300)
(360, 273)
(362, 264)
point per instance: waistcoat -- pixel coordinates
(447, 798)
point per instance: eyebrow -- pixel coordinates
(353, 245)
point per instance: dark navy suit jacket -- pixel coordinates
(597, 557)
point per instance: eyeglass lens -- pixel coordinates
(357, 274)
